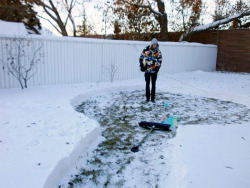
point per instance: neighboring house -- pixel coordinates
(12, 28)
(18, 28)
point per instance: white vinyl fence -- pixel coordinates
(68, 60)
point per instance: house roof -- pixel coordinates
(12, 28)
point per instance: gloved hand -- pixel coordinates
(157, 69)
(143, 68)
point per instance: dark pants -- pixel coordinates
(152, 77)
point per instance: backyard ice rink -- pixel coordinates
(42, 136)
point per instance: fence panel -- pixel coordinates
(233, 48)
(69, 60)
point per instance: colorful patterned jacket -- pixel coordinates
(153, 59)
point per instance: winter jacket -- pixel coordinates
(153, 59)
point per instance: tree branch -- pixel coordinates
(51, 24)
(213, 24)
(143, 6)
(69, 9)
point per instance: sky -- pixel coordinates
(95, 17)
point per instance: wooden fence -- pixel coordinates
(233, 48)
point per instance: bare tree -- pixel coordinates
(222, 9)
(22, 59)
(147, 8)
(108, 17)
(212, 25)
(56, 18)
(225, 9)
(117, 28)
(85, 28)
(238, 7)
(187, 13)
(112, 69)
(69, 7)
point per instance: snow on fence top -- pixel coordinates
(101, 41)
(70, 60)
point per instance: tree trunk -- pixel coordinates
(164, 27)
(51, 10)
(62, 27)
(163, 20)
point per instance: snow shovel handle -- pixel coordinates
(151, 130)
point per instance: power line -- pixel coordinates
(186, 84)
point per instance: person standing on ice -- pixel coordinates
(153, 60)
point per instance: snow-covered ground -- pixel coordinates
(42, 137)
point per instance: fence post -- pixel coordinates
(218, 47)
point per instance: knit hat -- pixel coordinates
(154, 41)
